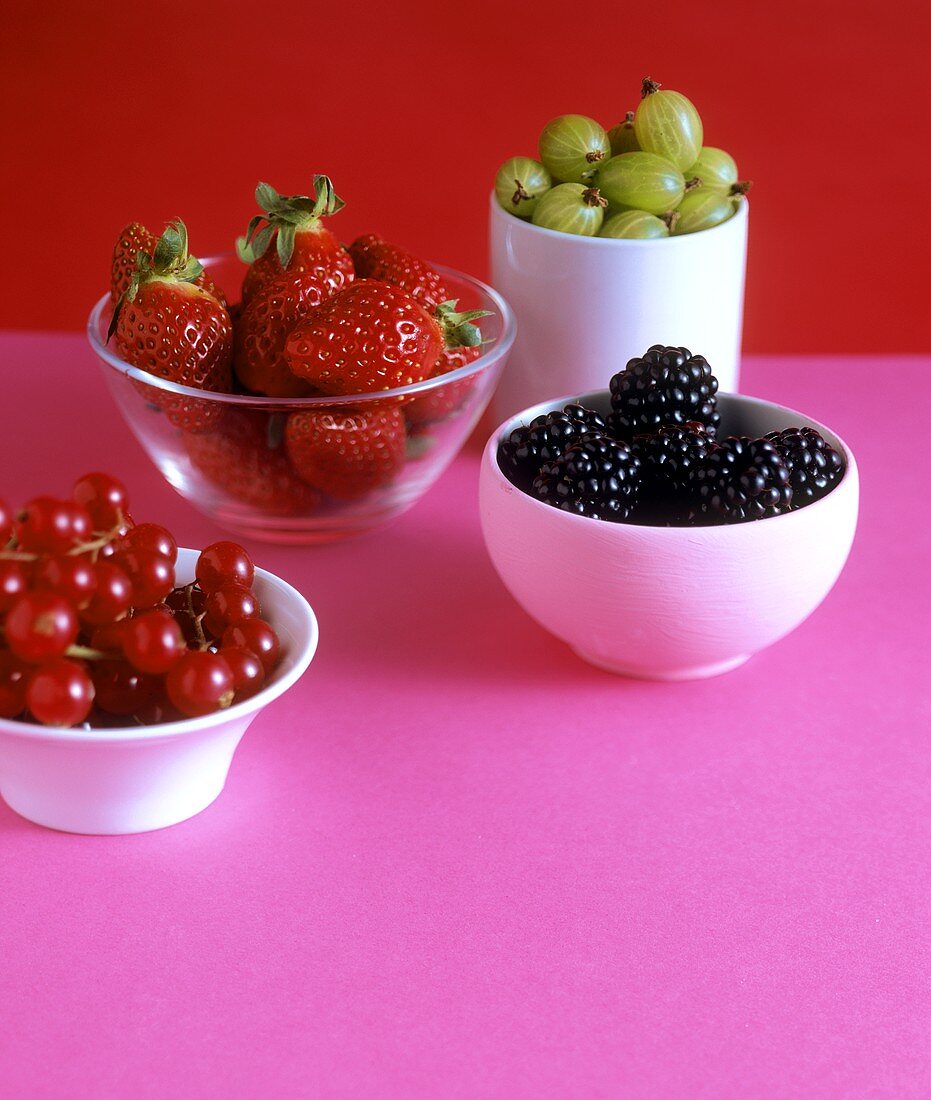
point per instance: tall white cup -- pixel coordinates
(585, 305)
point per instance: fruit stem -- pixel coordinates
(86, 653)
(741, 188)
(591, 196)
(458, 332)
(520, 195)
(197, 619)
(693, 184)
(648, 87)
(671, 218)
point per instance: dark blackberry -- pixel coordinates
(669, 459)
(814, 466)
(665, 387)
(596, 477)
(741, 479)
(543, 440)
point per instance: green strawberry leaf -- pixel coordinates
(267, 197)
(458, 330)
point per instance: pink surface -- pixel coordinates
(456, 861)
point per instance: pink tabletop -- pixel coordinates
(456, 861)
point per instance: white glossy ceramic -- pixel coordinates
(586, 305)
(135, 779)
(669, 603)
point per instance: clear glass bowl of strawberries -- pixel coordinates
(314, 393)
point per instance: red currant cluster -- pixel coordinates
(90, 616)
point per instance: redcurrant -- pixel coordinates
(248, 671)
(104, 497)
(40, 626)
(14, 580)
(223, 563)
(109, 637)
(151, 537)
(200, 683)
(49, 526)
(70, 576)
(228, 605)
(6, 523)
(60, 693)
(120, 689)
(256, 635)
(14, 676)
(152, 642)
(151, 575)
(112, 596)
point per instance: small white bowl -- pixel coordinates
(138, 778)
(669, 603)
(585, 303)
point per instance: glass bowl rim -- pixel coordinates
(496, 352)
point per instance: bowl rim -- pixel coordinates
(490, 458)
(579, 240)
(497, 351)
(171, 730)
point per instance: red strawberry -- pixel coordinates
(346, 453)
(265, 324)
(302, 241)
(444, 400)
(238, 457)
(168, 326)
(374, 336)
(135, 238)
(375, 258)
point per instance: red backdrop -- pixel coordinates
(116, 112)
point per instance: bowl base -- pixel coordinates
(301, 533)
(695, 672)
(101, 820)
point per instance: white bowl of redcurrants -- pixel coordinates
(613, 236)
(130, 669)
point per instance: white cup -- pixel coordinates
(586, 305)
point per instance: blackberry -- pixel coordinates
(814, 466)
(741, 479)
(669, 459)
(543, 440)
(665, 387)
(596, 477)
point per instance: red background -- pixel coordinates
(148, 111)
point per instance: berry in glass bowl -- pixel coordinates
(119, 710)
(341, 382)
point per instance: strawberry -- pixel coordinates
(302, 241)
(346, 453)
(239, 456)
(265, 324)
(374, 336)
(444, 400)
(135, 238)
(168, 326)
(375, 258)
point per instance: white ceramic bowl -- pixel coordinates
(135, 779)
(669, 603)
(586, 305)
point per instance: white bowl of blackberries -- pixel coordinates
(663, 529)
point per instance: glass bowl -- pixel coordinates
(228, 455)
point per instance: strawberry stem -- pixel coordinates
(458, 331)
(283, 216)
(170, 261)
